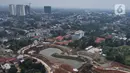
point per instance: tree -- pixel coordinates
(17, 44)
(118, 54)
(83, 43)
(13, 69)
(74, 44)
(29, 66)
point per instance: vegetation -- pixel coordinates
(83, 43)
(57, 33)
(13, 69)
(15, 45)
(112, 43)
(114, 49)
(30, 66)
(120, 54)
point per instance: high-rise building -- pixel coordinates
(27, 9)
(12, 9)
(47, 9)
(20, 10)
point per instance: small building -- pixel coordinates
(6, 66)
(88, 47)
(59, 38)
(94, 50)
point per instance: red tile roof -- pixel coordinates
(64, 42)
(35, 36)
(7, 59)
(2, 60)
(67, 67)
(109, 36)
(59, 38)
(99, 40)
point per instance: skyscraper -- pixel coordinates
(12, 9)
(27, 9)
(47, 9)
(20, 10)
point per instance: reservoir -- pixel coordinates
(48, 52)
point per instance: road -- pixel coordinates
(90, 60)
(22, 50)
(49, 69)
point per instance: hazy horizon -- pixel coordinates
(99, 4)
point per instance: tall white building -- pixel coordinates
(78, 35)
(12, 9)
(20, 10)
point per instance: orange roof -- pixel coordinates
(64, 43)
(99, 40)
(59, 38)
(7, 59)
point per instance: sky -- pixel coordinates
(96, 4)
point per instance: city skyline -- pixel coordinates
(19, 10)
(100, 4)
